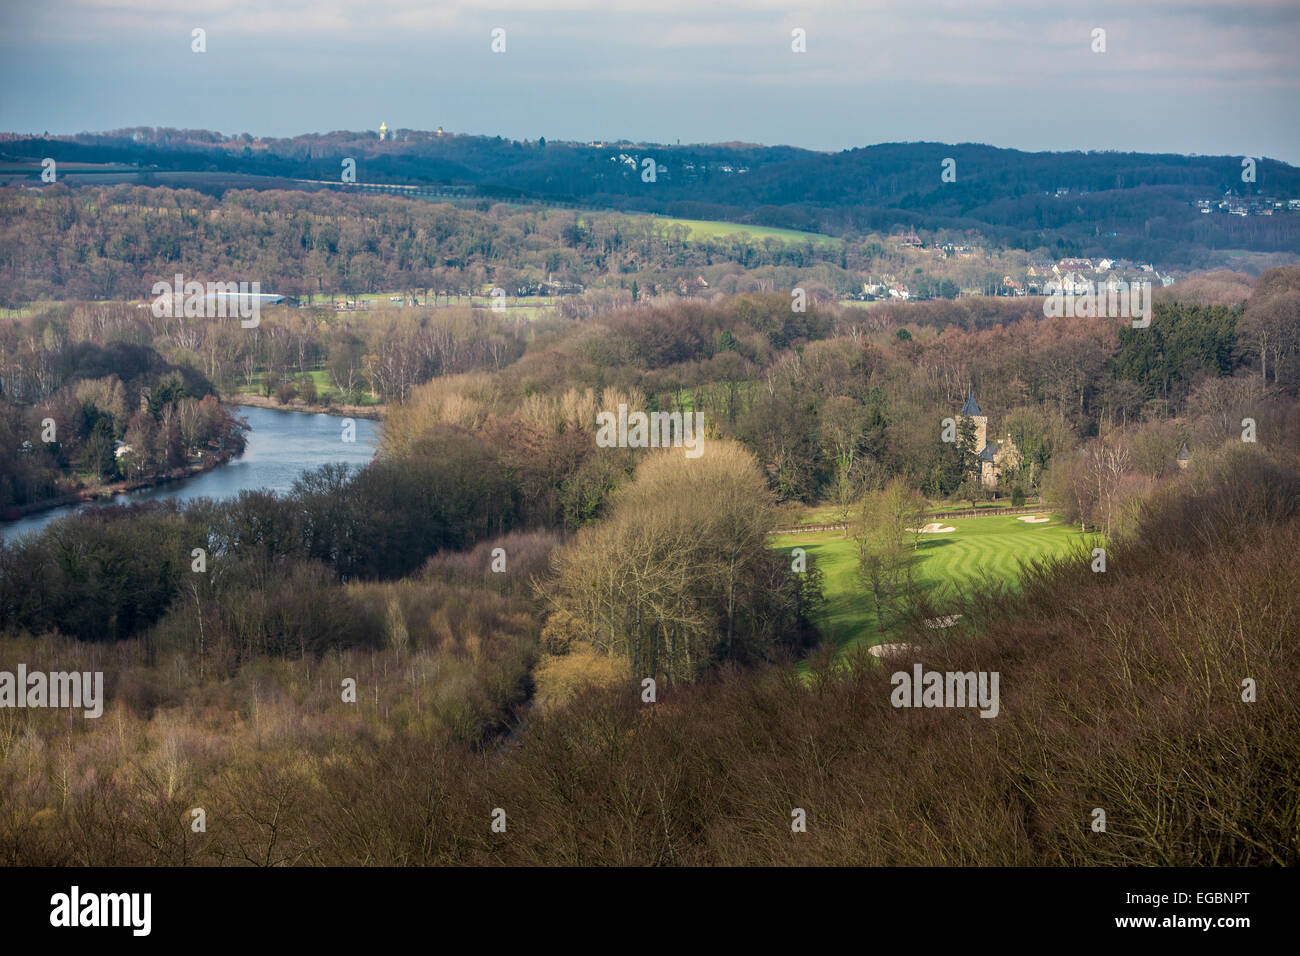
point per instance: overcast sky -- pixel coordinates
(1187, 77)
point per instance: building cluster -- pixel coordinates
(1070, 275)
(886, 288)
(1077, 276)
(1234, 205)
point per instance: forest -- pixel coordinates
(496, 587)
(77, 412)
(518, 686)
(825, 399)
(115, 242)
(1140, 203)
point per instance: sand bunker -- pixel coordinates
(948, 620)
(935, 528)
(890, 650)
(1034, 519)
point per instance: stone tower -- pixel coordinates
(972, 410)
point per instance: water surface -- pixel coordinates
(281, 446)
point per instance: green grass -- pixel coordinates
(715, 228)
(29, 309)
(993, 546)
(709, 229)
(817, 514)
(324, 386)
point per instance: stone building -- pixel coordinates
(995, 457)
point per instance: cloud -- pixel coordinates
(720, 65)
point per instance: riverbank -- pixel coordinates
(92, 493)
(375, 412)
(279, 448)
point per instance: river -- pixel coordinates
(281, 446)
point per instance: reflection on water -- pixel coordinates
(281, 446)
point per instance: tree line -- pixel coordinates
(1143, 199)
(73, 412)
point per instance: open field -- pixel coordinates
(711, 229)
(525, 307)
(991, 546)
(321, 377)
(24, 311)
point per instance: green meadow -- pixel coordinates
(712, 229)
(992, 546)
(320, 376)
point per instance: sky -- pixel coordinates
(1220, 78)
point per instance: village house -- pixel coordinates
(693, 288)
(554, 287)
(1071, 283)
(1072, 265)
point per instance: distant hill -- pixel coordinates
(1130, 204)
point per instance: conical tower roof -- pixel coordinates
(971, 408)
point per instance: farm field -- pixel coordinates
(994, 546)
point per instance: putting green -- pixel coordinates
(992, 546)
